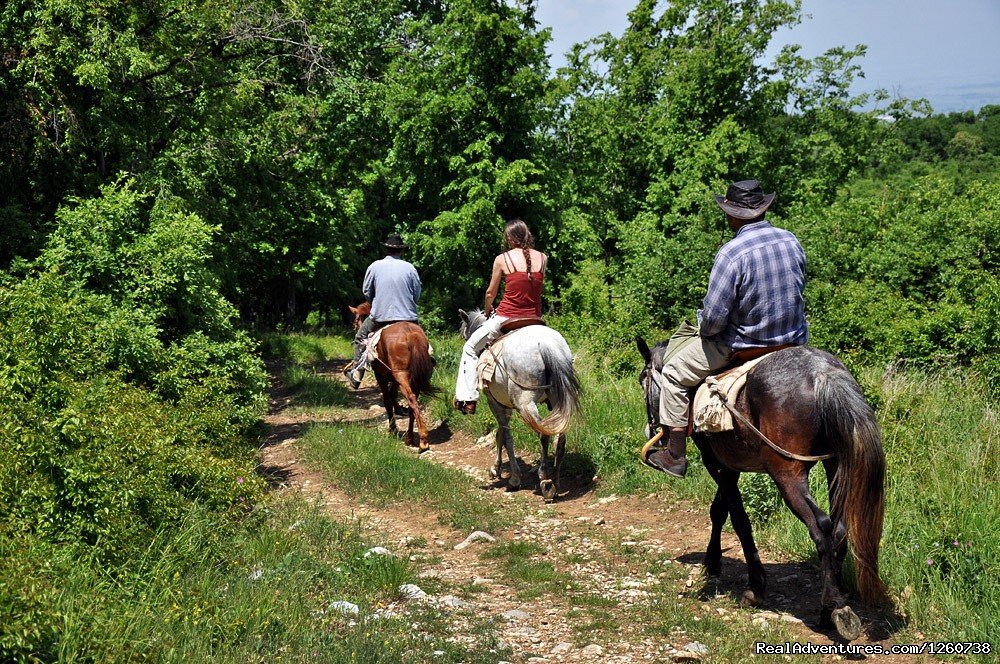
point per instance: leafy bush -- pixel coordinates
(126, 393)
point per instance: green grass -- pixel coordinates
(371, 464)
(524, 564)
(257, 590)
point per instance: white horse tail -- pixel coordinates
(563, 393)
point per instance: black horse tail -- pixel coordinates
(422, 367)
(859, 483)
(563, 392)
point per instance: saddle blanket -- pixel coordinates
(709, 411)
(371, 346)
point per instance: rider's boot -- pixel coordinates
(465, 407)
(354, 372)
(671, 458)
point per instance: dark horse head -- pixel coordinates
(800, 405)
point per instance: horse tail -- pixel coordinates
(859, 483)
(563, 393)
(421, 367)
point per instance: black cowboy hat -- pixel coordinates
(745, 200)
(394, 242)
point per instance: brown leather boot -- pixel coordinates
(671, 458)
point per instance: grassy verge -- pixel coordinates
(371, 464)
(262, 589)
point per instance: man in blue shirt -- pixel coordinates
(754, 300)
(393, 287)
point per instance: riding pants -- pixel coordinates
(690, 360)
(467, 385)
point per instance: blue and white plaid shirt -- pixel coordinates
(755, 291)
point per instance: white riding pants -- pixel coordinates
(467, 385)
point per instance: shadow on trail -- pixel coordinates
(575, 481)
(792, 588)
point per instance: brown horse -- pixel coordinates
(403, 363)
(807, 403)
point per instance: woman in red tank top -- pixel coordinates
(522, 269)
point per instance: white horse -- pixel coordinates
(534, 365)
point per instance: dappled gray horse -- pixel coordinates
(534, 365)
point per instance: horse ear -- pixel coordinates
(354, 310)
(643, 349)
(464, 315)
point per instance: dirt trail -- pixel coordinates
(607, 545)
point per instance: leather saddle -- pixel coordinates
(512, 324)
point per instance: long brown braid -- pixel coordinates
(519, 237)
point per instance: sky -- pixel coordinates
(947, 51)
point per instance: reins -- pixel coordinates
(780, 450)
(393, 371)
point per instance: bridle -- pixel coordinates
(650, 375)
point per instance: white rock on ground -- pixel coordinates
(593, 650)
(378, 551)
(411, 591)
(344, 608)
(477, 536)
(697, 647)
(515, 614)
(453, 602)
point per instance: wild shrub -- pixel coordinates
(126, 391)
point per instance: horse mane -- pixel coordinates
(473, 322)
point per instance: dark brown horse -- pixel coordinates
(807, 403)
(403, 363)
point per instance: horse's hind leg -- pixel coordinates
(411, 399)
(560, 453)
(795, 492)
(727, 481)
(839, 526)
(545, 483)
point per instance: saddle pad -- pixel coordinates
(487, 365)
(710, 412)
(371, 346)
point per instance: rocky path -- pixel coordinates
(617, 568)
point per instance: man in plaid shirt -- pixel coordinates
(754, 300)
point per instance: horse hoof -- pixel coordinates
(847, 623)
(494, 472)
(548, 488)
(511, 488)
(750, 598)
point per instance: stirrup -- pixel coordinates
(655, 444)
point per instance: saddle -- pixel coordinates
(708, 412)
(512, 324)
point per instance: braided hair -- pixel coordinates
(519, 237)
